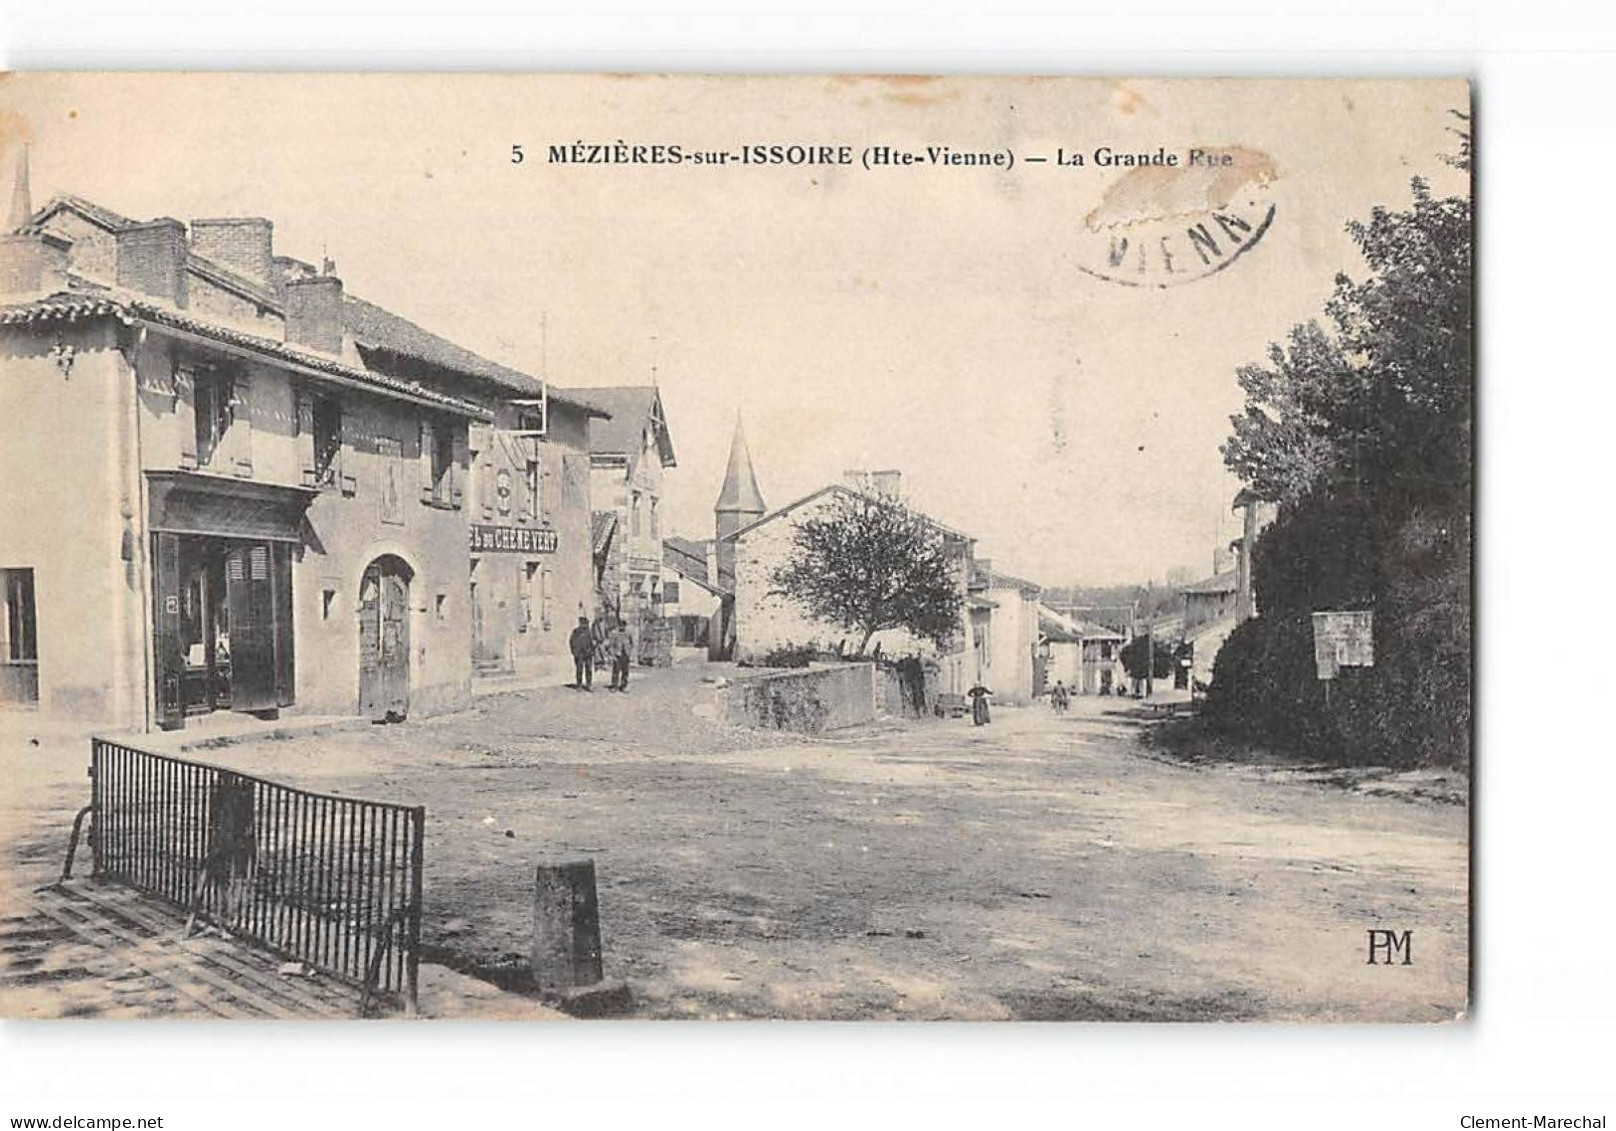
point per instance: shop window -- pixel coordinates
(327, 442)
(670, 592)
(215, 400)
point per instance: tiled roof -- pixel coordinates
(844, 490)
(373, 327)
(689, 557)
(997, 579)
(1217, 583)
(129, 309)
(105, 217)
(631, 408)
(1053, 630)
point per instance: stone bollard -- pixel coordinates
(566, 924)
(566, 960)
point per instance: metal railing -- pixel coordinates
(334, 882)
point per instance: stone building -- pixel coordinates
(766, 621)
(629, 450)
(1010, 661)
(213, 495)
(527, 492)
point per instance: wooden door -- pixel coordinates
(249, 594)
(384, 643)
(169, 658)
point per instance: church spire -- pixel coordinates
(22, 207)
(740, 494)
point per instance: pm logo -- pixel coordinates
(1385, 947)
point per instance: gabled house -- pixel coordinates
(256, 515)
(766, 621)
(1013, 669)
(527, 490)
(629, 452)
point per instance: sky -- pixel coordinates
(933, 320)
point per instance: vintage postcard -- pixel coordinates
(658, 547)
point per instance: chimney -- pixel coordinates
(151, 259)
(32, 265)
(856, 478)
(886, 483)
(242, 244)
(314, 313)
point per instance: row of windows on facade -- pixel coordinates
(221, 400)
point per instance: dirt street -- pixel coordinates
(1037, 868)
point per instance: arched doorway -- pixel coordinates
(384, 639)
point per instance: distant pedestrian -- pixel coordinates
(582, 645)
(1059, 698)
(619, 647)
(979, 705)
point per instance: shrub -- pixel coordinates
(789, 655)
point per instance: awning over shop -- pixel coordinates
(189, 502)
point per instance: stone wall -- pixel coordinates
(809, 701)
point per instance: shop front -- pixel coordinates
(222, 554)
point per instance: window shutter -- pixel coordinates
(185, 415)
(241, 426)
(345, 461)
(457, 469)
(305, 435)
(428, 442)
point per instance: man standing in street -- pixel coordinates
(619, 647)
(582, 646)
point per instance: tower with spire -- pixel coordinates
(739, 501)
(22, 204)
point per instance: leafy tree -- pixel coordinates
(1361, 430)
(871, 563)
(1136, 658)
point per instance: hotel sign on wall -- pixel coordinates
(511, 540)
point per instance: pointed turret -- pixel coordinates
(740, 493)
(739, 502)
(22, 204)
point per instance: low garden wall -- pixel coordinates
(808, 701)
